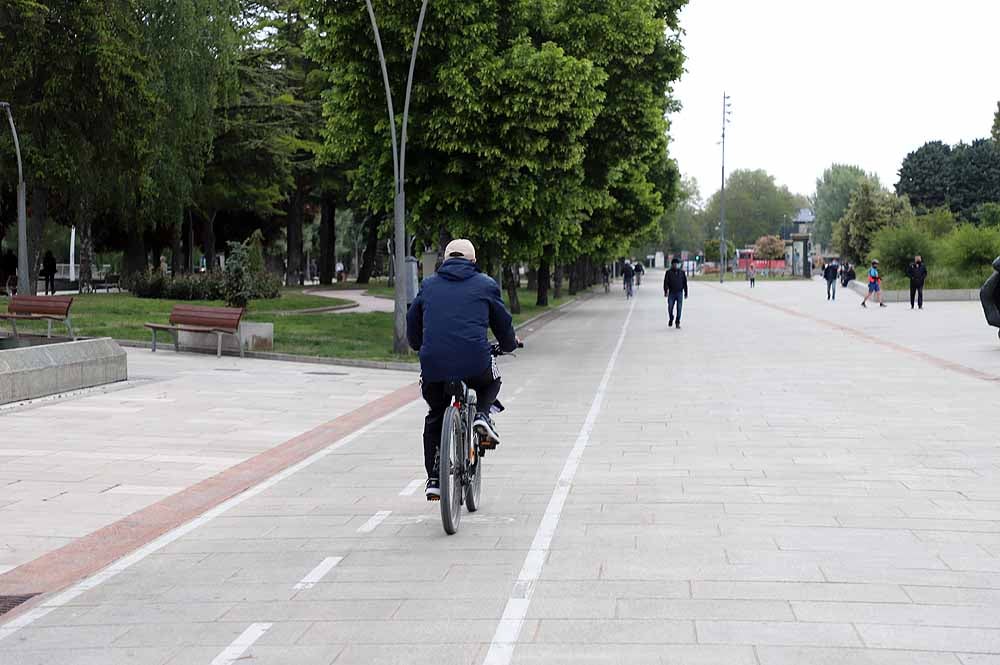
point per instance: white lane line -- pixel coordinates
(374, 521)
(412, 488)
(318, 573)
(509, 629)
(235, 651)
(135, 557)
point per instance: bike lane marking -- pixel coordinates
(239, 646)
(35, 613)
(509, 629)
(318, 573)
(374, 521)
(412, 488)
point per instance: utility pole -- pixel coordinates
(399, 175)
(23, 278)
(726, 113)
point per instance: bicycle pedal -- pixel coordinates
(488, 445)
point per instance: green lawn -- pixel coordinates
(345, 335)
(937, 278)
(528, 307)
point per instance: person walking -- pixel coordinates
(917, 272)
(874, 285)
(49, 272)
(675, 289)
(752, 275)
(830, 275)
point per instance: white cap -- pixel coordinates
(460, 249)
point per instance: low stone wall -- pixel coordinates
(256, 337)
(37, 371)
(930, 295)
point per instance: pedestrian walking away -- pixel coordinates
(917, 272)
(675, 289)
(874, 285)
(447, 323)
(49, 272)
(830, 273)
(639, 272)
(752, 275)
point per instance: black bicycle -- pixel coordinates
(462, 452)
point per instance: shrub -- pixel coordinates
(938, 222)
(969, 248)
(266, 285)
(148, 284)
(239, 280)
(895, 247)
(154, 284)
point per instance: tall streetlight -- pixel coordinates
(399, 176)
(23, 281)
(726, 113)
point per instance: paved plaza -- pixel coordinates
(784, 481)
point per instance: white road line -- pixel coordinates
(375, 520)
(28, 618)
(412, 488)
(318, 573)
(235, 651)
(509, 629)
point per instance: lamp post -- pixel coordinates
(23, 280)
(722, 196)
(399, 176)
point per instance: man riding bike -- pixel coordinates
(639, 272)
(628, 275)
(448, 324)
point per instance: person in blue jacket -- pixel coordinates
(448, 324)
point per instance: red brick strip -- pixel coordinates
(89, 554)
(934, 360)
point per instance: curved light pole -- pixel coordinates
(399, 176)
(23, 280)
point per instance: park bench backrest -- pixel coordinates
(44, 305)
(221, 318)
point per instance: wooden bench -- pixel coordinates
(39, 308)
(199, 319)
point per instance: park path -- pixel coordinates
(366, 303)
(758, 488)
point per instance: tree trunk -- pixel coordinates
(176, 252)
(36, 225)
(208, 239)
(135, 253)
(532, 276)
(558, 280)
(293, 261)
(544, 276)
(575, 282)
(327, 240)
(511, 282)
(187, 233)
(371, 249)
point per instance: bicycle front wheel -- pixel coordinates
(451, 467)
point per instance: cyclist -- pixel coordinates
(628, 275)
(448, 324)
(606, 275)
(639, 272)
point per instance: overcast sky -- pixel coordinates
(815, 82)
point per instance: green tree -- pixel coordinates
(996, 125)
(895, 246)
(926, 176)
(687, 228)
(712, 252)
(937, 223)
(755, 206)
(769, 248)
(988, 214)
(870, 211)
(975, 177)
(833, 195)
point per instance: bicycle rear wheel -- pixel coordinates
(451, 465)
(475, 487)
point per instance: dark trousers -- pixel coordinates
(678, 300)
(917, 294)
(831, 288)
(487, 389)
(50, 284)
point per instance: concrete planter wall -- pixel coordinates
(930, 295)
(256, 337)
(38, 371)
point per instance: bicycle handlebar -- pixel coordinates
(497, 351)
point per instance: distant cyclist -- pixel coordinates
(606, 275)
(628, 277)
(639, 272)
(448, 324)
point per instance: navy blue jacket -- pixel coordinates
(449, 320)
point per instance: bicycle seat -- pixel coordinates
(456, 389)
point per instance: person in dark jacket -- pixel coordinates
(628, 277)
(639, 272)
(49, 272)
(830, 275)
(448, 324)
(917, 272)
(675, 288)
